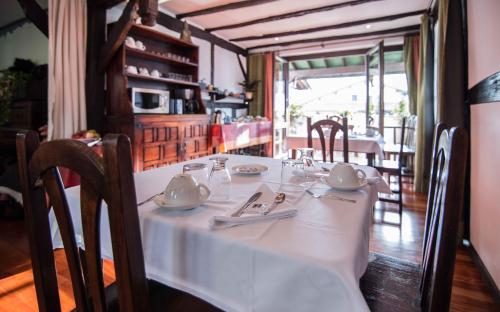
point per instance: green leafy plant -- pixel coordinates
(295, 112)
(400, 110)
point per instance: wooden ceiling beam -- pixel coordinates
(292, 14)
(36, 14)
(225, 7)
(177, 25)
(326, 55)
(330, 27)
(403, 30)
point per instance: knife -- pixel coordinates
(253, 198)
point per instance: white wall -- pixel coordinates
(26, 42)
(484, 60)
(227, 72)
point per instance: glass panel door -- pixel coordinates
(281, 114)
(375, 87)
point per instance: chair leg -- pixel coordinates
(400, 182)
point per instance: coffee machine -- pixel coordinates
(190, 106)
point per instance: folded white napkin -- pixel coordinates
(255, 214)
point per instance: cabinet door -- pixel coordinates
(195, 140)
(160, 144)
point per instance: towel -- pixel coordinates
(255, 212)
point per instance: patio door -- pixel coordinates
(281, 114)
(374, 65)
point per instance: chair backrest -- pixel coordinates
(443, 216)
(109, 179)
(334, 128)
(402, 138)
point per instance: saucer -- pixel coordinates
(346, 187)
(161, 202)
(250, 169)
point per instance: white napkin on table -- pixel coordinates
(253, 215)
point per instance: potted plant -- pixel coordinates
(249, 87)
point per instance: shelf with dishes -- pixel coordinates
(160, 56)
(161, 79)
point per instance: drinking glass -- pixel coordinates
(219, 179)
(199, 172)
(306, 155)
(291, 174)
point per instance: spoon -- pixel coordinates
(280, 197)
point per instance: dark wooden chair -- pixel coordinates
(397, 286)
(409, 144)
(334, 127)
(109, 179)
(394, 168)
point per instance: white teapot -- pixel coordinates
(345, 178)
(183, 190)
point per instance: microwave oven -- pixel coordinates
(150, 101)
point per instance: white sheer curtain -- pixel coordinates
(67, 55)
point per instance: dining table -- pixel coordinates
(311, 261)
(358, 143)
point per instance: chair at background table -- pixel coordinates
(109, 179)
(393, 285)
(320, 126)
(409, 142)
(394, 168)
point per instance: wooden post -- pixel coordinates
(94, 81)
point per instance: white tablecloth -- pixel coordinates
(311, 262)
(357, 144)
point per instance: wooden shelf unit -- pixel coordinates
(157, 139)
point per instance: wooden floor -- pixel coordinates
(388, 237)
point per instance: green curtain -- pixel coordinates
(256, 72)
(425, 115)
(442, 24)
(410, 52)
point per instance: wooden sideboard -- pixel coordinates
(157, 139)
(160, 140)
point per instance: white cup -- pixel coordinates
(184, 190)
(344, 175)
(130, 42)
(139, 45)
(132, 70)
(155, 73)
(143, 71)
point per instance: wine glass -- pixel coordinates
(199, 171)
(306, 156)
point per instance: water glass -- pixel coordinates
(219, 179)
(306, 155)
(199, 171)
(291, 174)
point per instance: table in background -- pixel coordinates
(371, 146)
(311, 262)
(240, 135)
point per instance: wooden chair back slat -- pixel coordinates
(334, 128)
(109, 179)
(443, 215)
(37, 223)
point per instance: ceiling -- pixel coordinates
(357, 11)
(11, 11)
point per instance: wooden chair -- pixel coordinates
(384, 288)
(334, 128)
(409, 144)
(394, 168)
(109, 179)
